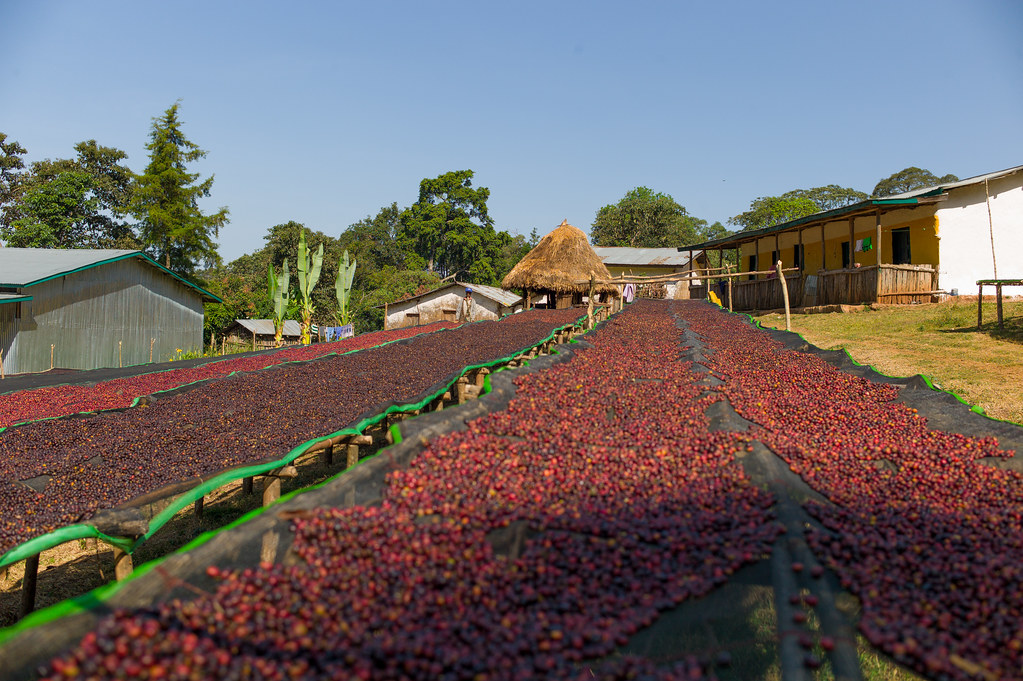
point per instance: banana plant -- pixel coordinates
(343, 286)
(308, 274)
(277, 286)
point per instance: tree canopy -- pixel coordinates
(908, 179)
(644, 219)
(166, 200)
(767, 211)
(449, 229)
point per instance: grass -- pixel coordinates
(940, 341)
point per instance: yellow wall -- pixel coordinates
(618, 270)
(923, 242)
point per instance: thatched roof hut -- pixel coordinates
(561, 259)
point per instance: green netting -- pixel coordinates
(181, 501)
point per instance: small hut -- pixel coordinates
(555, 268)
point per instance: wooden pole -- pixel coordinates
(51, 354)
(385, 316)
(1, 363)
(998, 296)
(824, 257)
(991, 229)
(877, 249)
(589, 306)
(223, 345)
(799, 252)
(253, 341)
(120, 362)
(123, 566)
(852, 260)
(28, 585)
(151, 341)
(729, 290)
(980, 299)
(785, 296)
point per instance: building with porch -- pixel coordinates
(910, 248)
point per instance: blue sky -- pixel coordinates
(322, 112)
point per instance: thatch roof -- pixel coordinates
(562, 258)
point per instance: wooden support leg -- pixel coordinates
(271, 489)
(998, 297)
(198, 508)
(247, 485)
(28, 585)
(268, 552)
(460, 386)
(352, 455)
(327, 455)
(123, 566)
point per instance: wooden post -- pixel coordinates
(852, 261)
(28, 585)
(253, 341)
(120, 362)
(151, 341)
(198, 508)
(123, 566)
(785, 296)
(1, 363)
(998, 297)
(247, 485)
(589, 306)
(271, 489)
(223, 345)
(729, 271)
(385, 316)
(51, 353)
(800, 252)
(824, 257)
(351, 455)
(877, 249)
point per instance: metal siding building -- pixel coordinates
(97, 308)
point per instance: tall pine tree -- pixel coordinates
(166, 201)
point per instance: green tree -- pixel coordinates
(166, 200)
(909, 179)
(767, 211)
(11, 176)
(53, 213)
(449, 229)
(93, 191)
(830, 196)
(643, 219)
(373, 241)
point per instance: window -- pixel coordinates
(846, 255)
(797, 256)
(752, 266)
(900, 247)
(775, 257)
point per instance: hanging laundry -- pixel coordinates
(867, 244)
(859, 245)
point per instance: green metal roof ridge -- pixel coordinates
(125, 256)
(13, 298)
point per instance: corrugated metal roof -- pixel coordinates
(30, 266)
(265, 327)
(641, 257)
(498, 295)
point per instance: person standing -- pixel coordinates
(467, 308)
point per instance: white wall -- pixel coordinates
(431, 307)
(963, 229)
